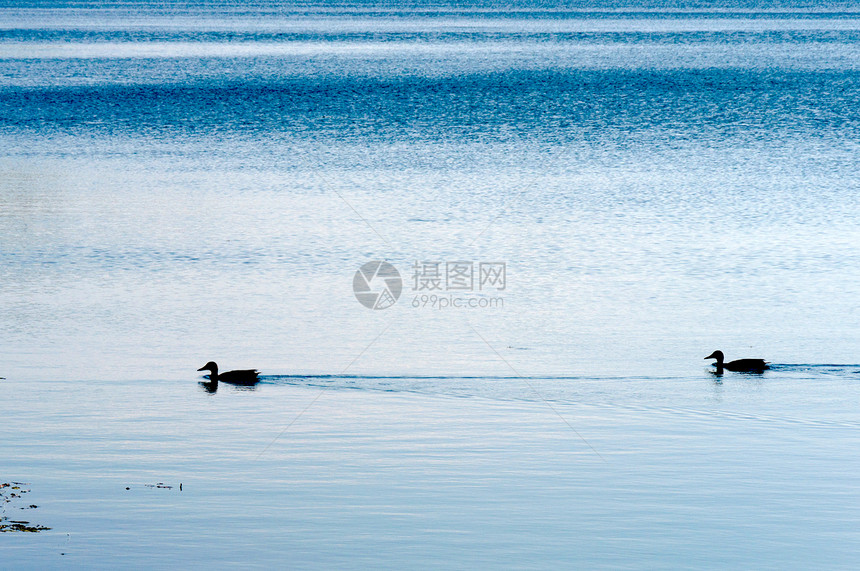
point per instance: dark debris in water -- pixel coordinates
(159, 485)
(23, 526)
(10, 492)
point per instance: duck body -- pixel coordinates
(245, 377)
(738, 366)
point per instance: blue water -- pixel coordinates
(186, 183)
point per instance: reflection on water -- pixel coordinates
(211, 387)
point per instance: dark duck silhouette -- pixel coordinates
(739, 366)
(245, 378)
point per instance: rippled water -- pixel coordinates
(186, 184)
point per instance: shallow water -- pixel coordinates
(180, 185)
(612, 472)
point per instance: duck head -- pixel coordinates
(718, 355)
(211, 367)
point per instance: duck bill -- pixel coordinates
(711, 356)
(202, 369)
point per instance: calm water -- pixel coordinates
(180, 185)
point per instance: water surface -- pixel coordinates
(185, 184)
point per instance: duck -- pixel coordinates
(246, 377)
(739, 366)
